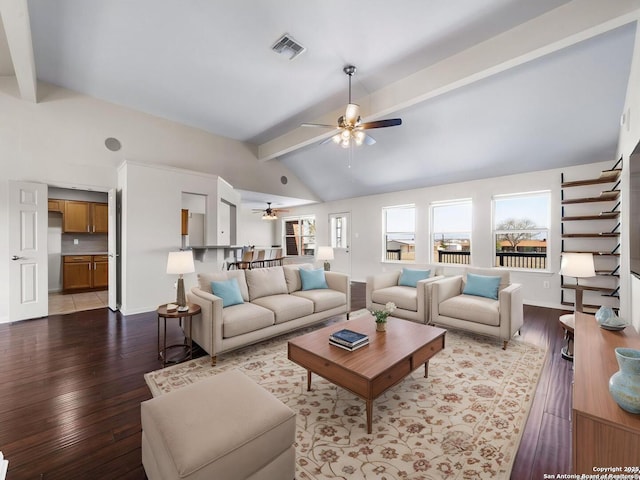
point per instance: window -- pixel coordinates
(338, 226)
(451, 231)
(521, 230)
(399, 225)
(300, 236)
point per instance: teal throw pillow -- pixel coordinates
(482, 286)
(410, 278)
(312, 279)
(228, 291)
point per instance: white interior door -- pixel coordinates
(113, 251)
(28, 266)
(340, 236)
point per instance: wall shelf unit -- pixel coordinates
(585, 229)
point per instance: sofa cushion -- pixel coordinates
(482, 286)
(312, 279)
(205, 279)
(228, 291)
(292, 276)
(245, 318)
(263, 282)
(472, 308)
(323, 299)
(405, 298)
(410, 278)
(505, 276)
(286, 307)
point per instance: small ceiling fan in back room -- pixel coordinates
(351, 129)
(269, 213)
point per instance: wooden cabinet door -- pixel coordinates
(56, 205)
(77, 272)
(185, 222)
(100, 271)
(100, 217)
(76, 217)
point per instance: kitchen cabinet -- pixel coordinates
(56, 205)
(85, 217)
(85, 272)
(185, 221)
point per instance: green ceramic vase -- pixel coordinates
(624, 385)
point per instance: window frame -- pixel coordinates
(432, 232)
(300, 236)
(526, 231)
(385, 252)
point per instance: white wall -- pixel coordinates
(60, 141)
(629, 138)
(252, 230)
(366, 222)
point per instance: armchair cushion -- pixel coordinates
(404, 297)
(228, 291)
(410, 278)
(482, 286)
(472, 308)
(312, 279)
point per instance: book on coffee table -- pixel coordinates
(351, 349)
(348, 338)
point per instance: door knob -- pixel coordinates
(16, 257)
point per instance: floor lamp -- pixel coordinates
(578, 265)
(179, 263)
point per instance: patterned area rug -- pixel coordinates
(463, 422)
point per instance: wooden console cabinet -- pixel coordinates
(604, 435)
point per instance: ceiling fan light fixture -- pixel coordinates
(352, 115)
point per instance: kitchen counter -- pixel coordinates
(83, 253)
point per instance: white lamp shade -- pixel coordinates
(180, 262)
(324, 253)
(578, 265)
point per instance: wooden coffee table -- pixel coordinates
(371, 370)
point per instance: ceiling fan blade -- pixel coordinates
(390, 122)
(323, 125)
(369, 140)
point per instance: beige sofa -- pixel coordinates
(274, 303)
(411, 303)
(500, 318)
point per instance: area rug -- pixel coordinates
(463, 422)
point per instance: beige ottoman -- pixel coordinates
(226, 427)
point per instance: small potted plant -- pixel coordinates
(381, 316)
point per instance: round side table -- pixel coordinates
(568, 323)
(187, 346)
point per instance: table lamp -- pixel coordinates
(578, 265)
(326, 254)
(179, 263)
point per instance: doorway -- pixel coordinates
(340, 238)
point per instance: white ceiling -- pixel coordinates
(208, 64)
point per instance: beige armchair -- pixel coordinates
(411, 303)
(500, 318)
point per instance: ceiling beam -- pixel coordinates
(557, 29)
(15, 18)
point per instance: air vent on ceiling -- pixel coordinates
(287, 44)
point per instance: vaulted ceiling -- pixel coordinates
(484, 88)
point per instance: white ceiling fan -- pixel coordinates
(351, 129)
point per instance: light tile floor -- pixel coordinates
(75, 302)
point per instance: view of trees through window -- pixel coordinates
(521, 230)
(300, 236)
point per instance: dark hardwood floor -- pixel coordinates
(72, 387)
